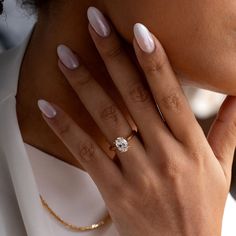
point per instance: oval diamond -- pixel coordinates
(121, 144)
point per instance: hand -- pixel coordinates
(172, 180)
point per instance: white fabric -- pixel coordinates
(69, 191)
(26, 172)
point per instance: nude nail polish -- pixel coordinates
(98, 22)
(67, 57)
(144, 38)
(47, 109)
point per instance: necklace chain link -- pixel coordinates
(71, 226)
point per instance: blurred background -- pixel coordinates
(16, 22)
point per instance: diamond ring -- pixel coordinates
(122, 144)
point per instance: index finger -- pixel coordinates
(164, 85)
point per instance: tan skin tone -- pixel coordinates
(199, 36)
(153, 180)
(191, 42)
(190, 148)
(49, 83)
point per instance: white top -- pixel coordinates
(70, 192)
(26, 172)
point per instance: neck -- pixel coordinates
(40, 78)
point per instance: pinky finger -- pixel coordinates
(99, 166)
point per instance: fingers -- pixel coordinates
(222, 136)
(165, 88)
(125, 76)
(103, 110)
(100, 167)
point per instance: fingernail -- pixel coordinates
(47, 109)
(144, 38)
(67, 57)
(98, 22)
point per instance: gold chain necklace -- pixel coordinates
(71, 226)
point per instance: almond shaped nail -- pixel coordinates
(47, 109)
(98, 22)
(144, 38)
(67, 57)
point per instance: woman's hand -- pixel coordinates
(172, 180)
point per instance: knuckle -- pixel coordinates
(139, 94)
(172, 101)
(86, 151)
(109, 112)
(155, 64)
(229, 127)
(197, 155)
(114, 51)
(83, 77)
(171, 168)
(63, 128)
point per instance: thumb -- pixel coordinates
(222, 135)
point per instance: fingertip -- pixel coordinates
(67, 57)
(144, 38)
(98, 22)
(47, 109)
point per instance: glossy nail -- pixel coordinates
(98, 22)
(67, 57)
(144, 38)
(47, 109)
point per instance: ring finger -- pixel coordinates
(103, 110)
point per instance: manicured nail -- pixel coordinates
(98, 22)
(67, 57)
(144, 38)
(47, 109)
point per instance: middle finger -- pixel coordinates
(127, 79)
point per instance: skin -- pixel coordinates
(143, 206)
(207, 62)
(189, 32)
